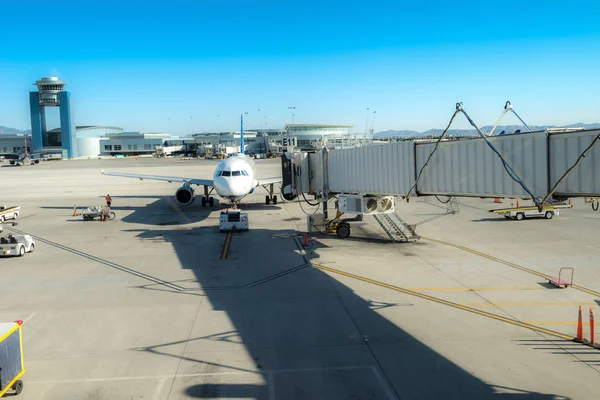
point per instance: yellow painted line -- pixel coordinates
(466, 289)
(445, 302)
(530, 303)
(226, 247)
(590, 291)
(555, 322)
(508, 263)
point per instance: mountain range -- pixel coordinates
(11, 131)
(406, 133)
(472, 132)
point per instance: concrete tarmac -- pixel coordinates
(144, 307)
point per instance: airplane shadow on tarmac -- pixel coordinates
(270, 325)
(163, 211)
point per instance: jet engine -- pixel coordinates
(184, 195)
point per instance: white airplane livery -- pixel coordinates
(233, 179)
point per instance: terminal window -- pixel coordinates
(147, 147)
(15, 149)
(135, 146)
(107, 147)
(4, 149)
(117, 147)
(128, 147)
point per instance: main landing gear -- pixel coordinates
(270, 198)
(207, 199)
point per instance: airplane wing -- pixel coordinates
(191, 181)
(268, 181)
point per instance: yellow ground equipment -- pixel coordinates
(520, 213)
(12, 363)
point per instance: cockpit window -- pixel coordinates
(218, 173)
(244, 173)
(226, 173)
(236, 173)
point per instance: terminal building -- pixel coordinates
(310, 136)
(69, 141)
(94, 141)
(14, 144)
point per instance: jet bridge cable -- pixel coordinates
(507, 168)
(508, 107)
(298, 173)
(431, 154)
(443, 202)
(567, 172)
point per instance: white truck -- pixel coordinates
(16, 245)
(233, 220)
(11, 212)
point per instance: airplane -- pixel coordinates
(25, 158)
(233, 179)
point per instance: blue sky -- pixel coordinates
(137, 64)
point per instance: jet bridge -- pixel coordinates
(545, 166)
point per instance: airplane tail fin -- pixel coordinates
(242, 135)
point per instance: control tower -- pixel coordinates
(51, 93)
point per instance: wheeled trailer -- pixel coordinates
(12, 362)
(91, 213)
(520, 213)
(560, 283)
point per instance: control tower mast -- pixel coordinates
(51, 93)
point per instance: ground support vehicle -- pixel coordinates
(16, 245)
(233, 219)
(100, 212)
(12, 363)
(11, 212)
(520, 213)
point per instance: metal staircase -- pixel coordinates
(453, 206)
(395, 228)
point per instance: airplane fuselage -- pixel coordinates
(235, 177)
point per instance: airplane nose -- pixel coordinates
(231, 188)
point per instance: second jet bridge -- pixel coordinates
(545, 166)
(458, 168)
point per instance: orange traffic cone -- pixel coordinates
(579, 337)
(74, 211)
(497, 200)
(591, 326)
(305, 241)
(517, 203)
(102, 219)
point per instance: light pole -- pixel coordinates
(366, 124)
(293, 114)
(192, 120)
(373, 124)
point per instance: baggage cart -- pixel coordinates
(91, 213)
(12, 363)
